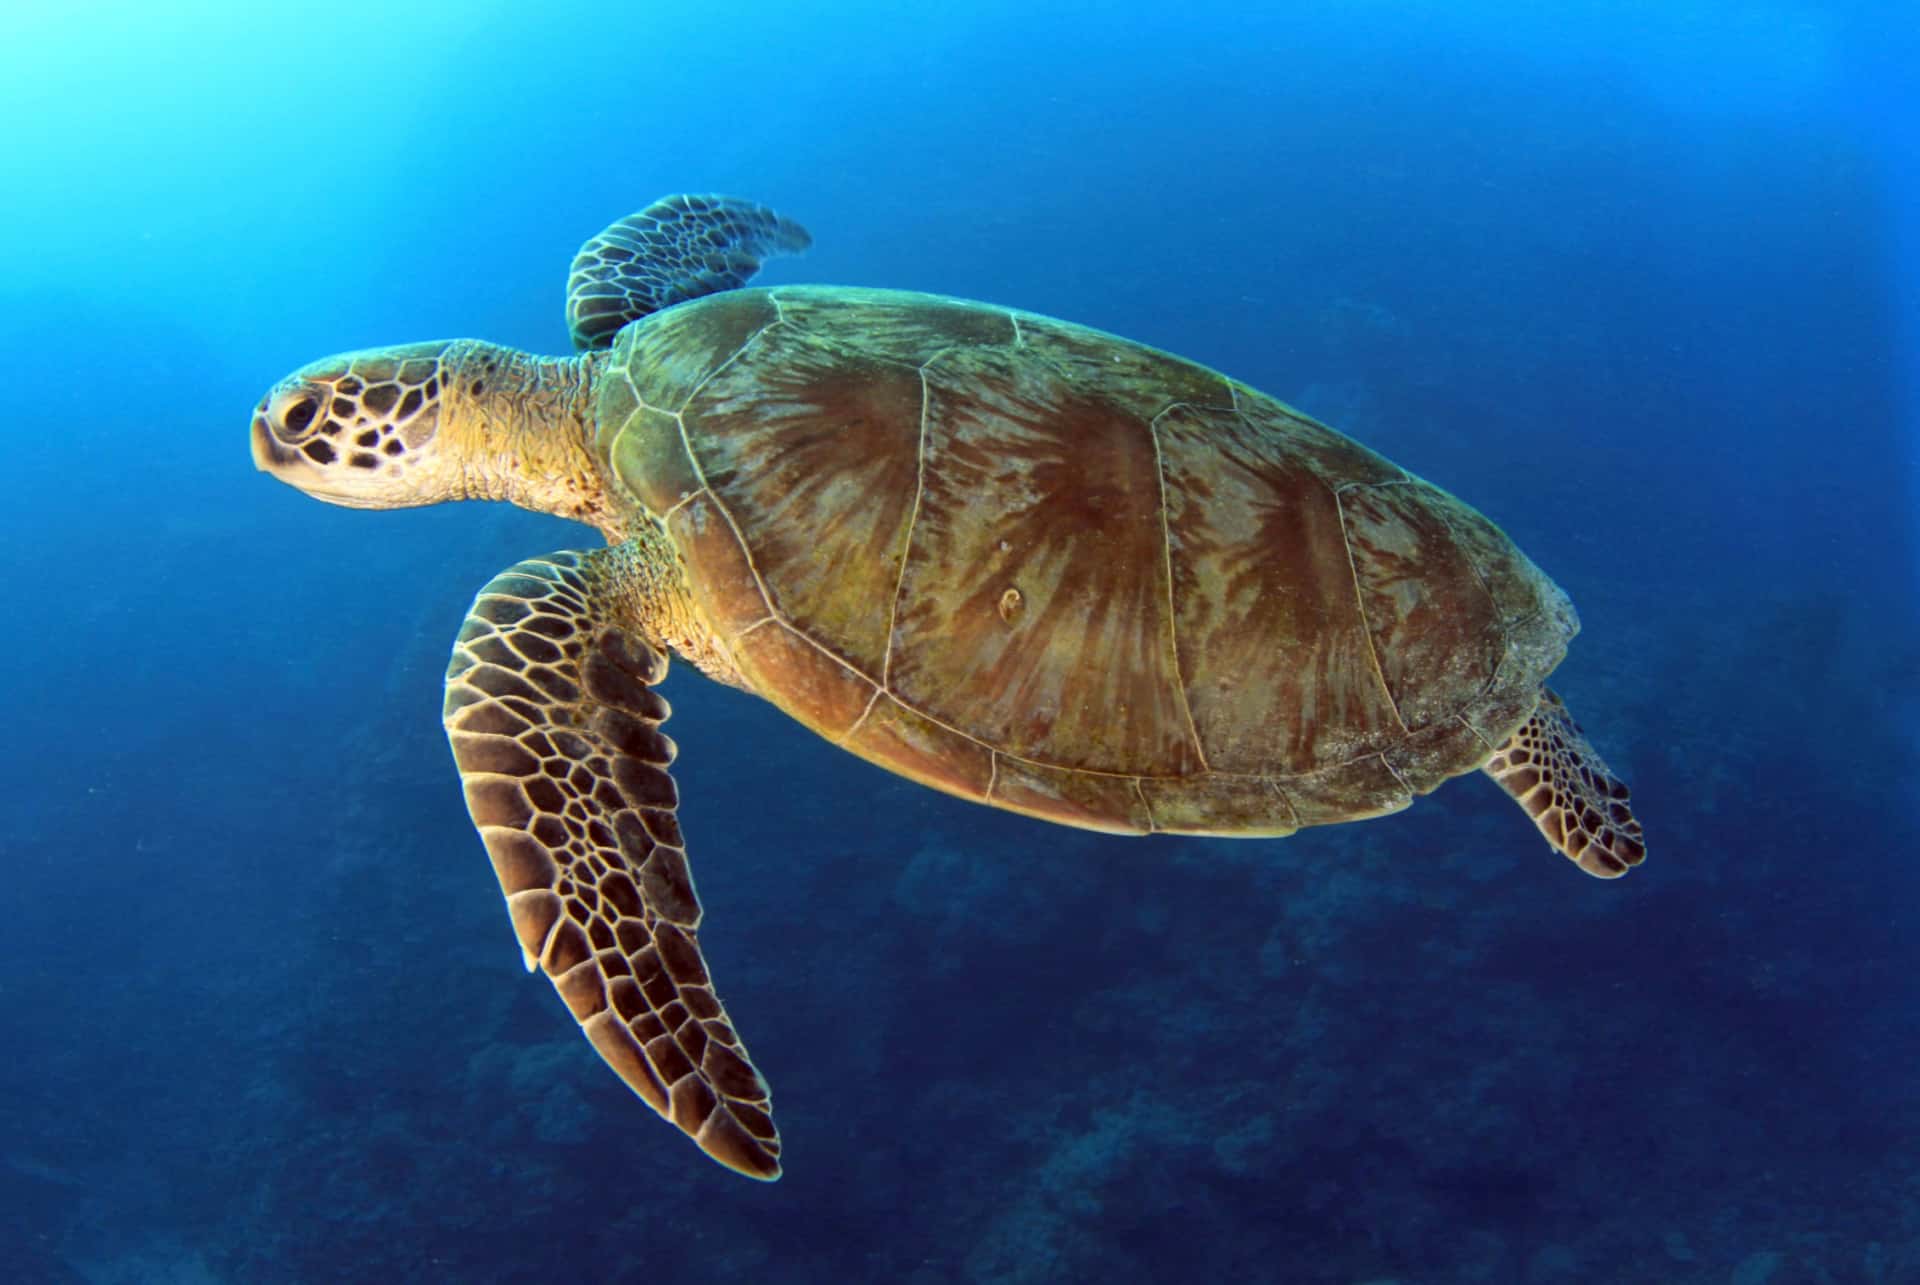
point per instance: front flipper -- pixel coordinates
(678, 248)
(1552, 771)
(556, 727)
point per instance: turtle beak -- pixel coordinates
(269, 456)
(263, 447)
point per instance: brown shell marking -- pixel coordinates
(1036, 484)
(803, 447)
(1426, 609)
(1280, 669)
(1066, 574)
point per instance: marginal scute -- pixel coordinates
(818, 689)
(1426, 758)
(1506, 704)
(897, 325)
(915, 746)
(1366, 787)
(1335, 458)
(1213, 802)
(1140, 376)
(1084, 799)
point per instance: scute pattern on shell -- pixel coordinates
(1227, 618)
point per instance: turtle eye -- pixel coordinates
(298, 415)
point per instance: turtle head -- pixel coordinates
(456, 419)
(363, 428)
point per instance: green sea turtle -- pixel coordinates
(1020, 561)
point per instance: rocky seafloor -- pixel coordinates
(1420, 1049)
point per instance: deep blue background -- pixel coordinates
(1637, 279)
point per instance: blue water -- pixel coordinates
(1638, 279)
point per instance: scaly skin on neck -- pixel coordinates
(461, 419)
(519, 426)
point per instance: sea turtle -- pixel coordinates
(1017, 560)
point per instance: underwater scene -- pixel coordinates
(1620, 300)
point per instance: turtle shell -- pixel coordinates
(1048, 569)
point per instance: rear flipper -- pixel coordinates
(1566, 787)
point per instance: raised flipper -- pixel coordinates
(1552, 771)
(678, 248)
(556, 728)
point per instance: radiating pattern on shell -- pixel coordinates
(1046, 568)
